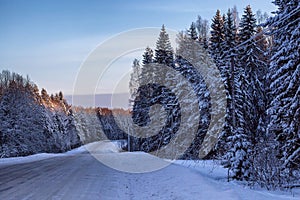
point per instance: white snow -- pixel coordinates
(105, 147)
(216, 174)
(37, 157)
(178, 180)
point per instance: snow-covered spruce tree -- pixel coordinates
(284, 110)
(146, 76)
(229, 61)
(249, 98)
(163, 56)
(22, 121)
(238, 142)
(216, 40)
(244, 90)
(28, 124)
(192, 32)
(148, 56)
(261, 17)
(45, 98)
(88, 125)
(191, 51)
(146, 69)
(251, 58)
(134, 80)
(154, 71)
(235, 15)
(163, 50)
(202, 27)
(191, 57)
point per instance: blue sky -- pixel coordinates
(49, 39)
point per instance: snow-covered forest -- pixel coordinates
(257, 58)
(33, 121)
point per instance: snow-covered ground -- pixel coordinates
(37, 157)
(78, 175)
(215, 173)
(106, 147)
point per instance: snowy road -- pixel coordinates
(80, 176)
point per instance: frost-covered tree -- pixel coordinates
(192, 32)
(195, 64)
(153, 75)
(255, 68)
(202, 27)
(235, 15)
(163, 50)
(239, 160)
(229, 62)
(21, 123)
(284, 75)
(216, 40)
(88, 125)
(190, 57)
(147, 56)
(32, 123)
(250, 99)
(134, 82)
(45, 98)
(261, 17)
(147, 71)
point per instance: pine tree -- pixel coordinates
(284, 75)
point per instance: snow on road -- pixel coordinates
(78, 175)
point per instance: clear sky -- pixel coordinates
(49, 39)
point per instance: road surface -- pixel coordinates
(81, 176)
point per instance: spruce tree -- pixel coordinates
(164, 50)
(216, 40)
(192, 32)
(198, 68)
(255, 67)
(163, 56)
(147, 56)
(202, 27)
(229, 62)
(249, 97)
(134, 82)
(45, 98)
(284, 73)
(147, 71)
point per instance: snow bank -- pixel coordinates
(37, 157)
(213, 172)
